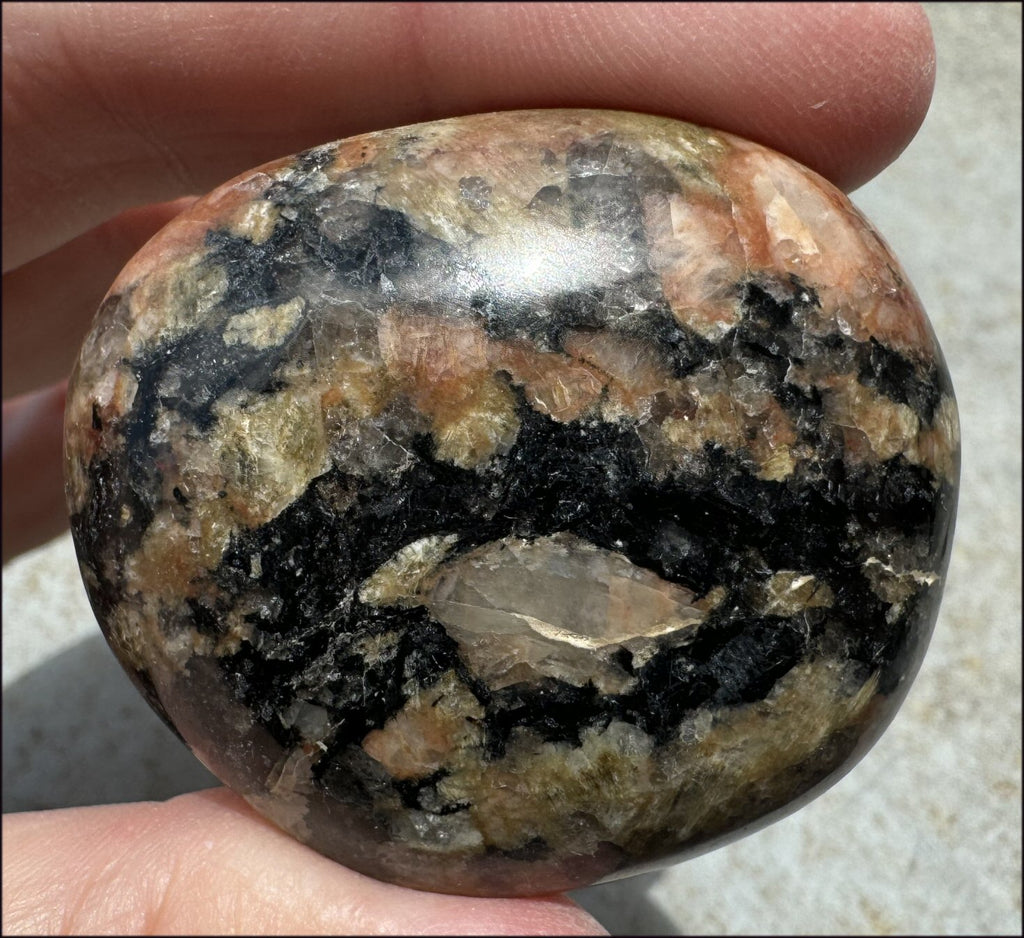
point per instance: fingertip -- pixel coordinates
(889, 94)
(840, 87)
(34, 510)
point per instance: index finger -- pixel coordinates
(109, 106)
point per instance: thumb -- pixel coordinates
(206, 863)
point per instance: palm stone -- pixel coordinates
(513, 502)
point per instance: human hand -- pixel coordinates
(104, 110)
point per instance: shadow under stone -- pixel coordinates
(76, 732)
(625, 908)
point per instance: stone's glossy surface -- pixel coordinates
(510, 502)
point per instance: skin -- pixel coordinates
(110, 130)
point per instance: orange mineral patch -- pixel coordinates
(553, 384)
(698, 253)
(787, 221)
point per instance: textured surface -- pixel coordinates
(952, 849)
(540, 494)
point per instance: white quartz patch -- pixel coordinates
(554, 606)
(562, 589)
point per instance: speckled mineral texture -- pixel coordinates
(510, 502)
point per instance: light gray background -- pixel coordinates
(924, 836)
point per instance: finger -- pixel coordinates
(103, 112)
(33, 483)
(205, 863)
(50, 302)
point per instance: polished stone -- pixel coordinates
(516, 501)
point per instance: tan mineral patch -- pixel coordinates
(691, 151)
(133, 635)
(936, 447)
(890, 428)
(236, 631)
(434, 723)
(254, 220)
(878, 428)
(267, 449)
(428, 348)
(573, 798)
(893, 585)
(738, 419)
(139, 635)
(401, 579)
(376, 647)
(264, 326)
(167, 561)
(472, 421)
(433, 190)
(357, 387)
(173, 298)
(444, 367)
(618, 787)
(750, 752)
(789, 592)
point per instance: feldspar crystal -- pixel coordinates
(516, 501)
